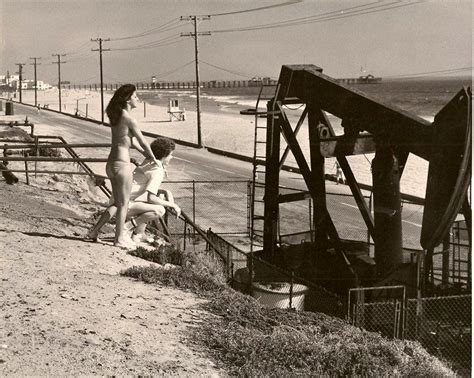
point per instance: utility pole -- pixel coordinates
(36, 81)
(20, 73)
(59, 76)
(194, 20)
(100, 49)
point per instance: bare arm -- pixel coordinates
(137, 146)
(167, 194)
(152, 198)
(147, 152)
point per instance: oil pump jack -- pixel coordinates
(392, 134)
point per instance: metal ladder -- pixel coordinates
(258, 175)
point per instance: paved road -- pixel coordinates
(200, 165)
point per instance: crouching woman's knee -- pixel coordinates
(159, 211)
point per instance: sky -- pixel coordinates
(248, 38)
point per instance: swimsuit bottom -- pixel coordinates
(116, 168)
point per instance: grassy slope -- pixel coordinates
(250, 339)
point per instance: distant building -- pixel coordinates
(13, 82)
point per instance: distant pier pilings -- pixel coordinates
(177, 85)
(369, 79)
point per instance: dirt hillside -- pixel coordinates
(65, 309)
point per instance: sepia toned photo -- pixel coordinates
(213, 188)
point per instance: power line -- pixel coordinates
(447, 71)
(158, 43)
(327, 16)
(226, 70)
(174, 70)
(82, 58)
(75, 51)
(291, 2)
(165, 27)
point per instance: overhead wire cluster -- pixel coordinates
(425, 73)
(82, 52)
(359, 10)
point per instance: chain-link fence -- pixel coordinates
(378, 309)
(273, 286)
(295, 218)
(225, 207)
(441, 324)
(220, 205)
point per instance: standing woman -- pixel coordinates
(118, 167)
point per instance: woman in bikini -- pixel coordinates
(119, 169)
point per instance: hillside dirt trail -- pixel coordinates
(65, 308)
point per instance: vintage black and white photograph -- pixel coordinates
(214, 188)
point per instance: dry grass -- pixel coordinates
(251, 340)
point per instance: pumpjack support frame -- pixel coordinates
(395, 133)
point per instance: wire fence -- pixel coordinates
(443, 327)
(220, 205)
(441, 324)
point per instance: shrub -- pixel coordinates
(252, 340)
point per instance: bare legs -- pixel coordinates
(146, 212)
(120, 175)
(121, 186)
(104, 218)
(143, 211)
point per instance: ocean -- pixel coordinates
(421, 97)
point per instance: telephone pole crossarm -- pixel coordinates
(195, 18)
(192, 34)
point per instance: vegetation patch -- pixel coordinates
(198, 272)
(252, 340)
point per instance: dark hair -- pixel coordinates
(119, 102)
(162, 147)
